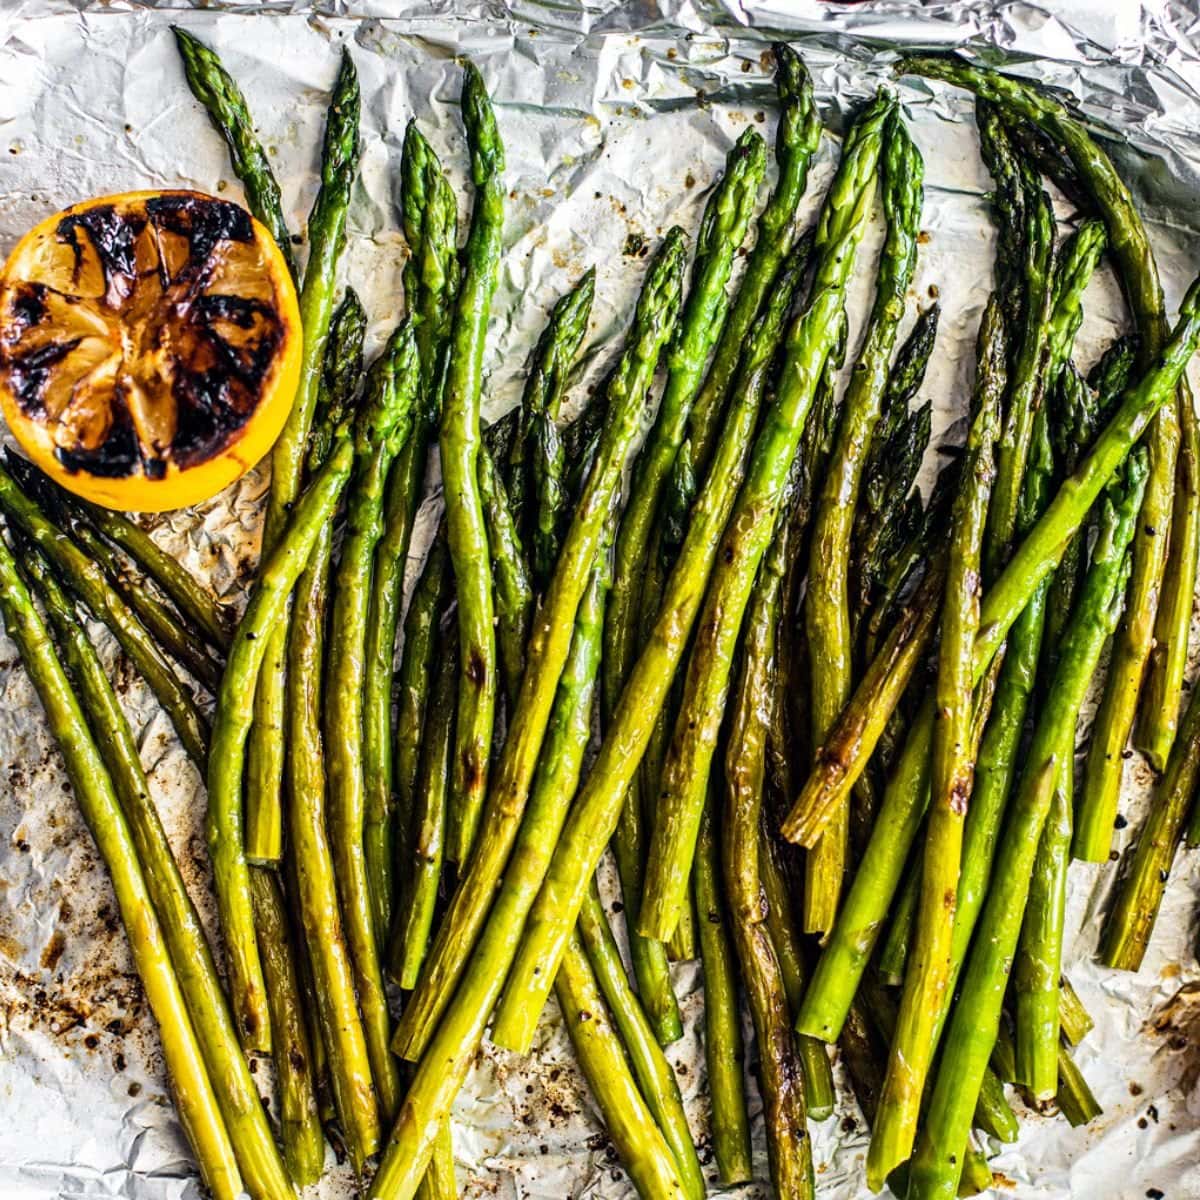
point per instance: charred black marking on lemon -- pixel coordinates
(116, 456)
(222, 346)
(112, 235)
(28, 305)
(202, 220)
(29, 373)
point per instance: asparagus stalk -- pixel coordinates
(195, 1100)
(730, 1121)
(537, 461)
(629, 1120)
(796, 140)
(786, 940)
(191, 958)
(513, 586)
(315, 887)
(215, 88)
(812, 336)
(1161, 703)
(430, 217)
(629, 844)
(929, 966)
(1131, 919)
(459, 440)
(975, 1019)
(1074, 1098)
(300, 1126)
(416, 670)
(429, 820)
(781, 1070)
(546, 654)
(722, 230)
(326, 238)
(1028, 378)
(827, 607)
(1080, 408)
(383, 424)
(168, 628)
(1155, 573)
(161, 623)
(235, 709)
(1040, 551)
(187, 594)
(1039, 955)
(655, 1077)
(443, 1066)
(87, 580)
(810, 342)
(891, 457)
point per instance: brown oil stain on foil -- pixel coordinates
(1177, 1022)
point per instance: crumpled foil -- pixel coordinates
(616, 116)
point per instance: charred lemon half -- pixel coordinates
(150, 345)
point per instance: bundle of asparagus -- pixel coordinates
(405, 852)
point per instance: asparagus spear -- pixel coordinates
(1080, 407)
(458, 439)
(87, 580)
(187, 594)
(191, 958)
(1074, 1098)
(537, 462)
(598, 1048)
(383, 424)
(1155, 573)
(235, 706)
(648, 954)
(169, 629)
(215, 88)
(781, 1073)
(655, 1077)
(443, 1066)
(730, 1121)
(893, 452)
(1131, 919)
(1160, 705)
(326, 237)
(929, 966)
(514, 589)
(1038, 967)
(827, 607)
(812, 336)
(1039, 553)
(1037, 1037)
(430, 217)
(1028, 377)
(796, 141)
(416, 671)
(786, 940)
(160, 622)
(547, 652)
(198, 1108)
(722, 230)
(976, 1016)
(316, 890)
(429, 820)
(300, 1126)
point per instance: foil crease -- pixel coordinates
(616, 116)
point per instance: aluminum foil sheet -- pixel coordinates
(616, 115)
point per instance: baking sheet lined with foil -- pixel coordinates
(616, 119)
